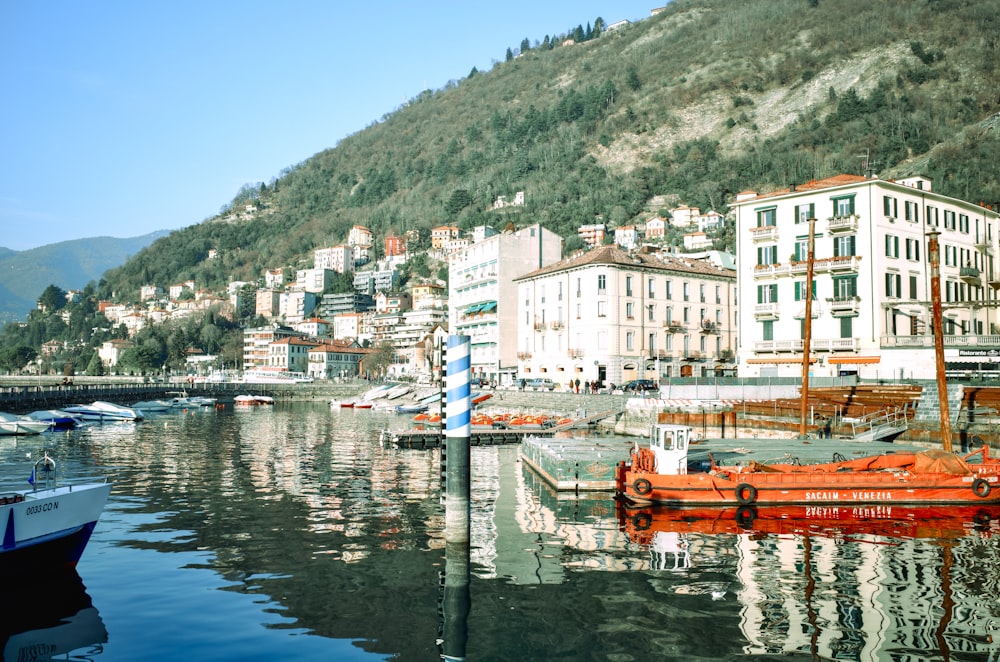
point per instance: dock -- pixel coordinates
(427, 438)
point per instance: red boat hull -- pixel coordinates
(738, 487)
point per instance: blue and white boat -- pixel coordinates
(105, 412)
(56, 418)
(48, 526)
(15, 424)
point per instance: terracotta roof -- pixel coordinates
(614, 256)
(812, 185)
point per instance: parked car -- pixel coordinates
(640, 386)
(539, 384)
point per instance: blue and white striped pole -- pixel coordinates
(458, 422)
(458, 427)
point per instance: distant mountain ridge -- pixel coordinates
(24, 275)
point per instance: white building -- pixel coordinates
(339, 258)
(612, 316)
(483, 300)
(871, 309)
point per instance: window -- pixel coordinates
(669, 291)
(913, 287)
(670, 314)
(892, 245)
(893, 285)
(560, 290)
(602, 284)
(911, 211)
(800, 290)
(542, 292)
(579, 286)
(767, 330)
(652, 288)
(932, 216)
(629, 310)
(843, 246)
(912, 249)
(701, 292)
(846, 327)
(801, 253)
(949, 219)
(889, 208)
(765, 255)
(718, 294)
(630, 340)
(686, 289)
(767, 217)
(652, 342)
(843, 206)
(767, 293)
(687, 314)
(628, 286)
(579, 309)
(845, 287)
(602, 308)
(963, 223)
(804, 212)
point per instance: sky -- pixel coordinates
(121, 118)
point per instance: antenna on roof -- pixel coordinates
(867, 165)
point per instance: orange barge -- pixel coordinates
(659, 475)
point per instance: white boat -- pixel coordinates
(396, 392)
(14, 424)
(105, 411)
(48, 526)
(153, 406)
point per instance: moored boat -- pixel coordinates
(104, 411)
(250, 400)
(659, 474)
(14, 424)
(48, 527)
(56, 418)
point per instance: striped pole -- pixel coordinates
(458, 414)
(458, 411)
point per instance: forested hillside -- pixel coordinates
(690, 106)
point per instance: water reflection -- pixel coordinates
(49, 615)
(301, 508)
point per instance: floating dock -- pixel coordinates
(577, 464)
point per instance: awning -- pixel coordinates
(781, 360)
(853, 359)
(474, 308)
(488, 307)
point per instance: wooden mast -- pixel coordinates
(934, 257)
(807, 335)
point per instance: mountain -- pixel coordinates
(24, 275)
(702, 100)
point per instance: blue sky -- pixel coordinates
(123, 118)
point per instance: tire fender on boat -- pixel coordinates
(981, 488)
(642, 486)
(745, 494)
(745, 516)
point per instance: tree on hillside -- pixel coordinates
(52, 298)
(378, 362)
(96, 367)
(14, 359)
(459, 200)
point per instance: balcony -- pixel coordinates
(815, 345)
(539, 326)
(765, 233)
(844, 306)
(766, 311)
(843, 224)
(574, 353)
(693, 355)
(708, 326)
(842, 264)
(660, 354)
(970, 276)
(673, 326)
(556, 326)
(523, 356)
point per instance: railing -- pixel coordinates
(766, 310)
(556, 326)
(844, 305)
(990, 342)
(574, 353)
(765, 233)
(840, 264)
(523, 356)
(816, 345)
(843, 223)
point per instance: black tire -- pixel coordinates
(981, 488)
(642, 521)
(745, 494)
(745, 516)
(642, 486)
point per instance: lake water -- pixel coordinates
(291, 533)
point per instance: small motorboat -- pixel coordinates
(105, 412)
(14, 424)
(415, 408)
(659, 474)
(56, 418)
(48, 526)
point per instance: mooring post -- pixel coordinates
(458, 408)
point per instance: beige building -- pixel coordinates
(871, 308)
(613, 316)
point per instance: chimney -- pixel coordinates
(791, 188)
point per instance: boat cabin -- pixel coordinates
(669, 444)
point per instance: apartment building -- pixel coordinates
(871, 312)
(483, 300)
(612, 316)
